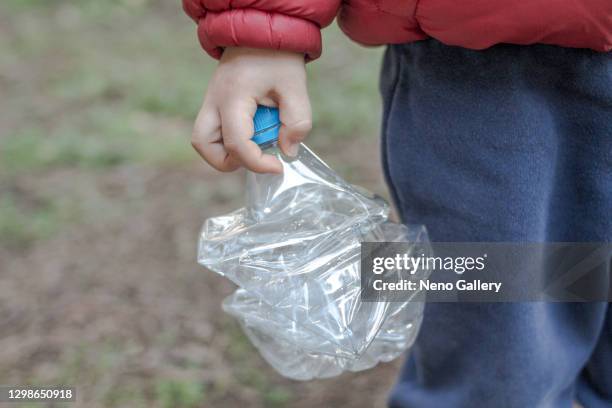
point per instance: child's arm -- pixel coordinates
(262, 46)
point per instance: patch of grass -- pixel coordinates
(39, 405)
(20, 5)
(91, 359)
(93, 7)
(19, 226)
(126, 397)
(96, 143)
(277, 397)
(239, 345)
(179, 394)
(343, 86)
(87, 365)
(178, 99)
(248, 373)
(33, 150)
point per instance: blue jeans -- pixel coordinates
(513, 143)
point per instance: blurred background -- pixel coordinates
(102, 198)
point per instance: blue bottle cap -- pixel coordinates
(266, 123)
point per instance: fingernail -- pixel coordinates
(292, 150)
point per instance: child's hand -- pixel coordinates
(243, 79)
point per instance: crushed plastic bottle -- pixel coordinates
(294, 252)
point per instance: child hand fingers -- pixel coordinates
(296, 118)
(237, 130)
(206, 140)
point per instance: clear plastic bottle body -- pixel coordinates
(294, 251)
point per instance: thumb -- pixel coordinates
(296, 119)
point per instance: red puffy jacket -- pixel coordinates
(295, 25)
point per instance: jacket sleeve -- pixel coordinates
(289, 25)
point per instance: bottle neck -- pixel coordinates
(268, 145)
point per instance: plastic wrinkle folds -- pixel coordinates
(294, 252)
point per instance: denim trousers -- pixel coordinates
(508, 144)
